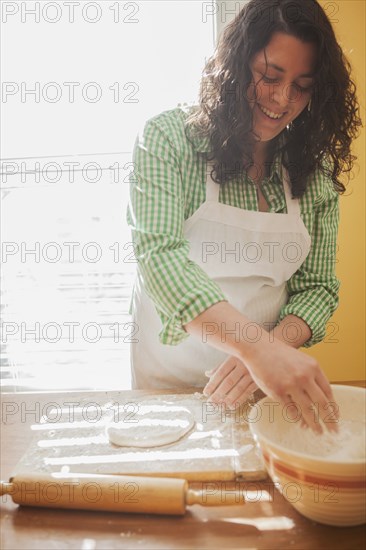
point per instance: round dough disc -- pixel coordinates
(151, 426)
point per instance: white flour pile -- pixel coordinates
(348, 444)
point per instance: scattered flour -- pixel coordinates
(348, 444)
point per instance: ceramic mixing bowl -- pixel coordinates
(327, 489)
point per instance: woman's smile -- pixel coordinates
(269, 114)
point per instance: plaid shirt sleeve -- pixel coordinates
(179, 288)
(313, 289)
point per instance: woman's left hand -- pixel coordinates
(230, 383)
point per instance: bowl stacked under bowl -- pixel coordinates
(328, 489)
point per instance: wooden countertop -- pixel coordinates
(265, 521)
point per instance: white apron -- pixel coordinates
(250, 255)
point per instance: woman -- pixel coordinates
(234, 214)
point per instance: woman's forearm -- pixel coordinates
(225, 328)
(292, 330)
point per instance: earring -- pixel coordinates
(309, 106)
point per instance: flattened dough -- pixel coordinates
(151, 425)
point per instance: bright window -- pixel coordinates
(79, 79)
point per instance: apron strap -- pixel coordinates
(212, 188)
(293, 205)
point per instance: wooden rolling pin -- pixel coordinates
(138, 495)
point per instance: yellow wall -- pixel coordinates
(342, 355)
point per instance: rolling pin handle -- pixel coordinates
(214, 498)
(6, 488)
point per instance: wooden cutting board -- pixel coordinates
(219, 447)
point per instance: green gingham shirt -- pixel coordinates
(168, 186)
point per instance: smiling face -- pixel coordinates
(282, 83)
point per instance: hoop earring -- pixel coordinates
(309, 106)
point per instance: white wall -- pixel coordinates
(226, 12)
(144, 58)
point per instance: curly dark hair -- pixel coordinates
(318, 138)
